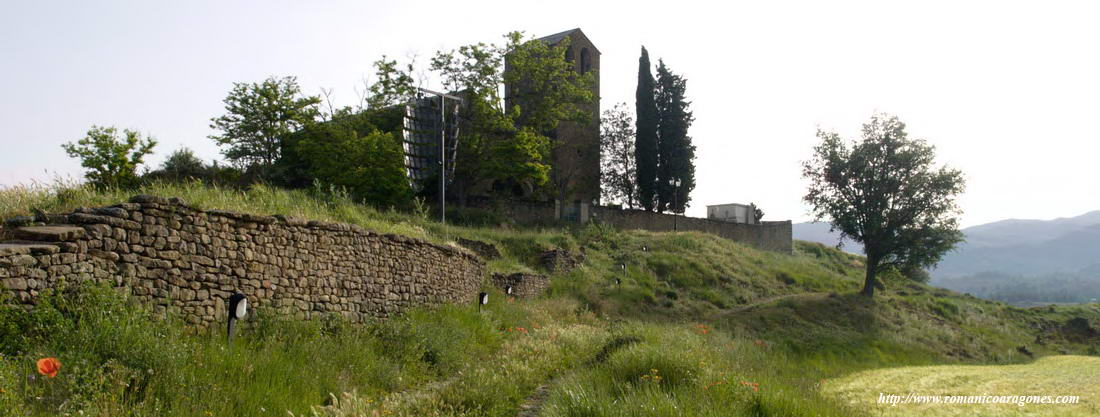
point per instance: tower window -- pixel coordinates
(586, 61)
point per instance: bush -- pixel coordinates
(111, 162)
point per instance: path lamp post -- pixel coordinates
(238, 308)
(442, 149)
(675, 183)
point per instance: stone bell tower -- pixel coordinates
(575, 174)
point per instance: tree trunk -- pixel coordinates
(869, 282)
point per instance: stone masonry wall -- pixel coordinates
(772, 236)
(174, 256)
(523, 285)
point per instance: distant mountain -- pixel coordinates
(1014, 232)
(1027, 247)
(1017, 261)
(819, 232)
(1014, 246)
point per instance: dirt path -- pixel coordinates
(533, 404)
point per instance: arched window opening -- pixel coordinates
(586, 61)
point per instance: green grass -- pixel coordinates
(1050, 376)
(117, 358)
(694, 317)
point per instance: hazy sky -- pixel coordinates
(1009, 92)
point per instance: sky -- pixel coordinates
(1008, 92)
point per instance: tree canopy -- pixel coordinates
(645, 145)
(885, 192)
(258, 116)
(111, 161)
(675, 152)
(618, 167)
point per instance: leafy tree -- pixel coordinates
(394, 85)
(645, 146)
(370, 166)
(258, 117)
(111, 161)
(757, 214)
(183, 164)
(617, 151)
(547, 89)
(675, 153)
(295, 170)
(885, 193)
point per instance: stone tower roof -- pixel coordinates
(558, 37)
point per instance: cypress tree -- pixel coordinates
(676, 154)
(645, 143)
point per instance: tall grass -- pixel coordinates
(118, 359)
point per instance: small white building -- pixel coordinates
(733, 212)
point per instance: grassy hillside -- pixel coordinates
(698, 325)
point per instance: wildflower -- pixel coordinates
(760, 343)
(755, 385)
(49, 367)
(652, 376)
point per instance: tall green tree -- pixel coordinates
(111, 161)
(675, 152)
(182, 164)
(885, 192)
(645, 145)
(548, 90)
(394, 84)
(369, 165)
(258, 116)
(617, 167)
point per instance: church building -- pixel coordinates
(575, 175)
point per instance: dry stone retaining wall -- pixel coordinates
(772, 236)
(523, 285)
(178, 257)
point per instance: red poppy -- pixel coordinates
(49, 367)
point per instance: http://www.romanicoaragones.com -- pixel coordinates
(1021, 400)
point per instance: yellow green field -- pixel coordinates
(1049, 376)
